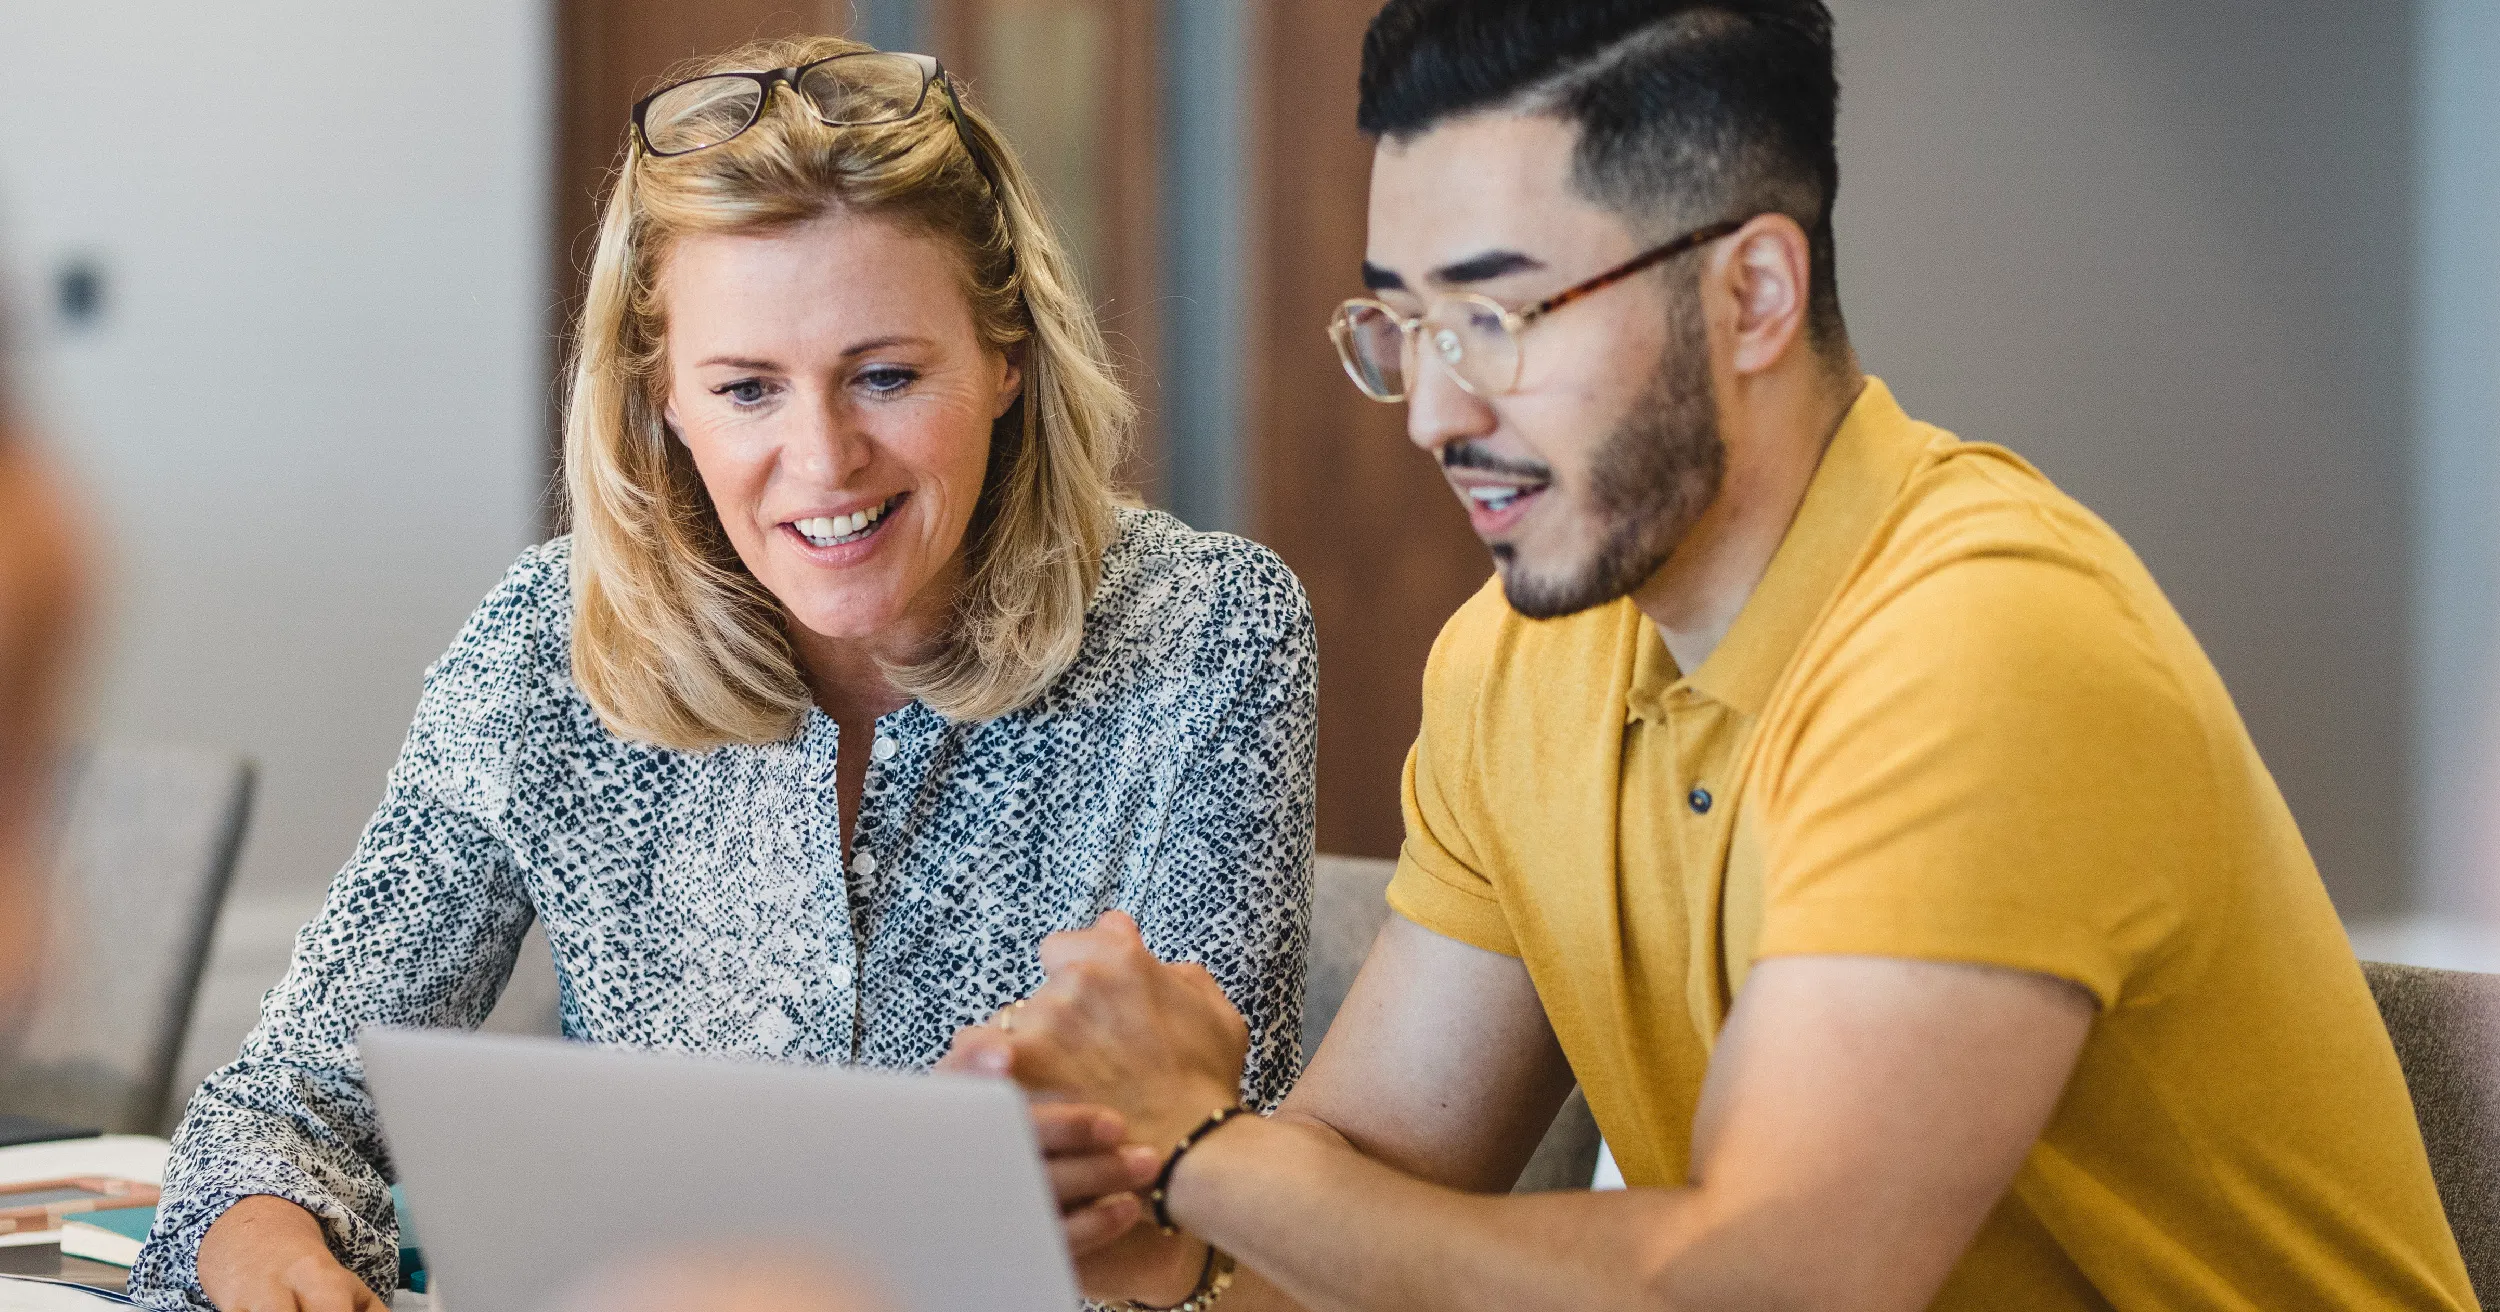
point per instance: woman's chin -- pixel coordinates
(850, 619)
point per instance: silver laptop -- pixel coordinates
(533, 1164)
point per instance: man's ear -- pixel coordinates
(1011, 380)
(1768, 267)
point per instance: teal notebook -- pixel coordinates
(411, 1258)
(112, 1236)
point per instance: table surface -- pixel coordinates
(128, 1156)
(45, 1260)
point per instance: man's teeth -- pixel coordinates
(1497, 498)
(826, 530)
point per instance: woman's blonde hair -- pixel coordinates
(674, 641)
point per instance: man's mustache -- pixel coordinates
(1472, 455)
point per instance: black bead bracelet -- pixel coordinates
(1161, 1195)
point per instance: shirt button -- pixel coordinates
(865, 863)
(885, 748)
(841, 974)
(1699, 800)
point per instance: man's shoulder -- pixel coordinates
(1976, 500)
(1985, 575)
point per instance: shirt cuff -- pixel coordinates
(1456, 905)
(2003, 934)
(167, 1274)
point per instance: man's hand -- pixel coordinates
(267, 1255)
(1115, 1046)
(1158, 1043)
(1094, 1172)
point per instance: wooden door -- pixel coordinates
(1076, 87)
(1358, 512)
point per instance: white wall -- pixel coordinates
(311, 418)
(2457, 475)
(2165, 251)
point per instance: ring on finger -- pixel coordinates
(1007, 1017)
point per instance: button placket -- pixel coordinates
(861, 890)
(829, 996)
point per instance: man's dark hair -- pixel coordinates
(1689, 111)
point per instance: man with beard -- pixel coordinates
(1839, 803)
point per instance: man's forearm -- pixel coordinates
(1317, 1224)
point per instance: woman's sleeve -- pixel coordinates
(1231, 888)
(420, 929)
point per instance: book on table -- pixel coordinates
(112, 1237)
(39, 1205)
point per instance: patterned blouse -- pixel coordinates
(696, 902)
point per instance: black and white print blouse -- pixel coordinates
(696, 902)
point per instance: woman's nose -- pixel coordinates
(831, 446)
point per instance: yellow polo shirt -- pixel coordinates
(1956, 722)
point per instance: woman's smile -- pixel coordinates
(828, 537)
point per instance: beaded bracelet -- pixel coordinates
(1214, 1278)
(1160, 1198)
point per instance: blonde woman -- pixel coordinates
(852, 681)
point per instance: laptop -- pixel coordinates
(531, 1165)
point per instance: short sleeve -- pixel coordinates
(1994, 767)
(1441, 882)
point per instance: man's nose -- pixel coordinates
(1439, 411)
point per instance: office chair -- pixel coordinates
(147, 838)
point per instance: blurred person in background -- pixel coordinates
(853, 680)
(41, 589)
(1841, 805)
(729, 1279)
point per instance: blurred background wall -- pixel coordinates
(2455, 546)
(280, 266)
(2166, 252)
(294, 278)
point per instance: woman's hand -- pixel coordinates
(1159, 1047)
(1095, 1175)
(1158, 1042)
(266, 1254)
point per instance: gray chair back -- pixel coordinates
(146, 844)
(1349, 905)
(2446, 1024)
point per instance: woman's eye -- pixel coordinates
(886, 380)
(744, 392)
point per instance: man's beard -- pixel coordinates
(1649, 481)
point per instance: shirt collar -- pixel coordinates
(1860, 476)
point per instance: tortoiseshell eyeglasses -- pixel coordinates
(860, 89)
(1475, 337)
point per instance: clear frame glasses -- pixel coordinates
(858, 89)
(1474, 337)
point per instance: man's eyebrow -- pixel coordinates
(1484, 268)
(1382, 280)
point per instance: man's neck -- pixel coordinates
(1776, 430)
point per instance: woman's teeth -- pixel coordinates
(834, 530)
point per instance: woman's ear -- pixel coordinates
(1011, 380)
(668, 422)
